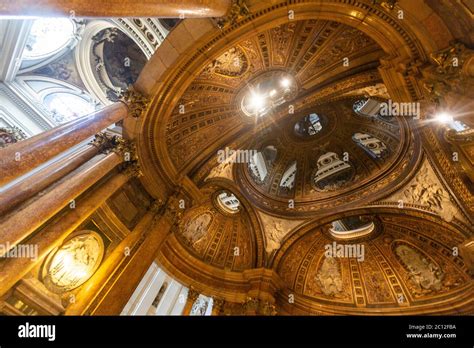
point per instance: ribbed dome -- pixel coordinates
(217, 237)
(325, 151)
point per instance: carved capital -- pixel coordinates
(251, 305)
(136, 102)
(173, 211)
(217, 304)
(156, 206)
(192, 294)
(10, 135)
(238, 10)
(125, 148)
(132, 169)
(449, 61)
(447, 72)
(267, 308)
(104, 142)
(257, 306)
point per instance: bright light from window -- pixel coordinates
(47, 36)
(285, 83)
(444, 117)
(67, 106)
(267, 92)
(257, 102)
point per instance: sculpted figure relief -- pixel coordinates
(231, 63)
(276, 233)
(197, 228)
(329, 277)
(424, 274)
(425, 190)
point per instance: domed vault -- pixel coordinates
(314, 163)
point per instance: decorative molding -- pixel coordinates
(388, 4)
(36, 116)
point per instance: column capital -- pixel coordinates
(132, 169)
(193, 294)
(136, 102)
(449, 71)
(173, 210)
(103, 142)
(257, 306)
(125, 148)
(251, 305)
(217, 304)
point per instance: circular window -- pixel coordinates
(73, 263)
(47, 36)
(67, 106)
(308, 125)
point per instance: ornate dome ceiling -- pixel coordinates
(341, 153)
(219, 233)
(311, 51)
(313, 161)
(408, 264)
(210, 115)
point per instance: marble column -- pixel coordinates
(113, 300)
(33, 184)
(113, 8)
(97, 282)
(20, 223)
(19, 158)
(192, 297)
(50, 237)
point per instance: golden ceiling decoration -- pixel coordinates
(221, 240)
(408, 265)
(311, 51)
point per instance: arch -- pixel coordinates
(389, 273)
(170, 71)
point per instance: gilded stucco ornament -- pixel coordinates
(329, 277)
(422, 272)
(238, 10)
(388, 4)
(10, 135)
(104, 142)
(426, 192)
(136, 102)
(447, 73)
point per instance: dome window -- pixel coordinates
(373, 146)
(48, 36)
